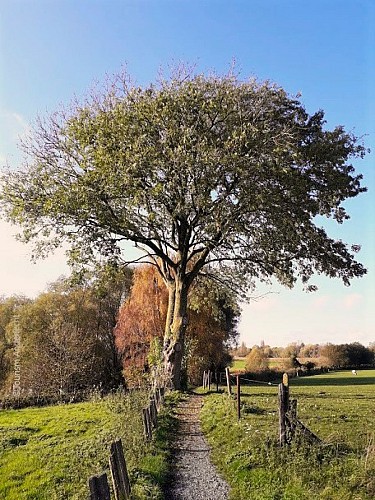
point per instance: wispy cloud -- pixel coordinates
(13, 127)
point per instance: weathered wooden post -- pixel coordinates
(217, 380)
(149, 421)
(162, 394)
(238, 397)
(153, 412)
(283, 408)
(99, 489)
(146, 425)
(157, 400)
(120, 478)
(228, 381)
(209, 379)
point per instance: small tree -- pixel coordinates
(205, 174)
(256, 361)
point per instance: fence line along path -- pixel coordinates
(193, 476)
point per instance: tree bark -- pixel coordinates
(174, 336)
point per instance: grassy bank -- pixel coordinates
(338, 407)
(49, 453)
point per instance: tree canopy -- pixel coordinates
(202, 173)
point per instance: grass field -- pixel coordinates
(338, 407)
(49, 453)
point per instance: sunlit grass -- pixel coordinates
(50, 452)
(338, 407)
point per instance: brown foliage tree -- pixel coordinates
(256, 360)
(141, 321)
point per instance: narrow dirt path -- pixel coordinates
(193, 475)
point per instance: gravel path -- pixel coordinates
(193, 475)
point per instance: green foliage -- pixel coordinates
(49, 453)
(337, 407)
(66, 335)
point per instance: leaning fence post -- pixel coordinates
(283, 408)
(228, 380)
(238, 397)
(99, 489)
(120, 478)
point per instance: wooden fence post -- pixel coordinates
(228, 380)
(209, 375)
(217, 380)
(157, 400)
(99, 489)
(283, 408)
(204, 379)
(153, 412)
(238, 397)
(162, 392)
(149, 422)
(120, 478)
(146, 424)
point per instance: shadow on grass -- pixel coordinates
(248, 409)
(350, 380)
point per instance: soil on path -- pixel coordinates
(193, 475)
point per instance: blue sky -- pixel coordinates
(51, 50)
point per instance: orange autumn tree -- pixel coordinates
(213, 315)
(141, 319)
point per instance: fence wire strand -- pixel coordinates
(255, 381)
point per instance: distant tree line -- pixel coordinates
(300, 355)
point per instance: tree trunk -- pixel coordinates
(174, 336)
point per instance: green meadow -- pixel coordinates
(339, 407)
(49, 453)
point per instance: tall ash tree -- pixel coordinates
(205, 174)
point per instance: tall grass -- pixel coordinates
(337, 407)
